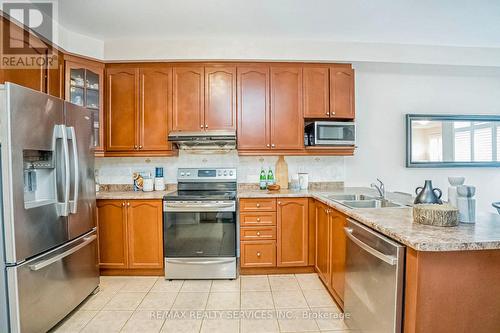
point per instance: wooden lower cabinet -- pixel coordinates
(330, 249)
(337, 253)
(112, 232)
(274, 232)
(292, 232)
(145, 234)
(258, 253)
(130, 234)
(322, 248)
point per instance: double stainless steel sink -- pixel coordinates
(363, 201)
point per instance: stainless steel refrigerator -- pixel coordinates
(48, 242)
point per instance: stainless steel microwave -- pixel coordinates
(330, 133)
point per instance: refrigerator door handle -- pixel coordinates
(45, 263)
(63, 207)
(73, 204)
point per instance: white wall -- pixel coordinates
(386, 92)
(243, 48)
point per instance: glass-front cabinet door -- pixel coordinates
(84, 82)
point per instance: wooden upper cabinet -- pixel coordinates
(342, 92)
(145, 234)
(293, 234)
(122, 108)
(322, 251)
(220, 98)
(338, 253)
(112, 231)
(155, 104)
(287, 123)
(84, 86)
(316, 92)
(253, 108)
(55, 76)
(33, 77)
(188, 98)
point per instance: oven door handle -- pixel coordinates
(204, 262)
(178, 207)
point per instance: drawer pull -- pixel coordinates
(258, 219)
(258, 205)
(258, 233)
(258, 254)
(279, 202)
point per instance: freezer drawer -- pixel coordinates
(45, 289)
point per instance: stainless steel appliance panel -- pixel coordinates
(200, 268)
(82, 209)
(330, 133)
(374, 281)
(45, 289)
(31, 121)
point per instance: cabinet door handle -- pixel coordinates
(206, 126)
(123, 204)
(140, 147)
(328, 113)
(258, 205)
(258, 254)
(258, 233)
(279, 203)
(272, 145)
(268, 145)
(258, 219)
(135, 147)
(201, 126)
(128, 204)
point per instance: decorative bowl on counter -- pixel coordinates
(497, 206)
(273, 187)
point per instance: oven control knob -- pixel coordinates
(225, 173)
(219, 173)
(230, 173)
(188, 174)
(182, 174)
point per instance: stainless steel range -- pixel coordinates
(199, 225)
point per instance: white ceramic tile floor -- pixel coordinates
(249, 304)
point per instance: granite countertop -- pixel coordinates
(397, 223)
(131, 195)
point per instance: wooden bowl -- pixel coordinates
(273, 187)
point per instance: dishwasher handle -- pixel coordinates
(391, 260)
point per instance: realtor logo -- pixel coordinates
(27, 37)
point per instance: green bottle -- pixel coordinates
(270, 177)
(262, 183)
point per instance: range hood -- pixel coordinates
(207, 140)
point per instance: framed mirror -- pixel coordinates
(452, 141)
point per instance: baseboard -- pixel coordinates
(131, 272)
(276, 270)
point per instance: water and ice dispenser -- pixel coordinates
(39, 178)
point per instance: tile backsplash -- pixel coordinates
(118, 170)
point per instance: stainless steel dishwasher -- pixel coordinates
(373, 297)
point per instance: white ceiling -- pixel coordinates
(424, 22)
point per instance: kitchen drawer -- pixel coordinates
(258, 205)
(257, 219)
(257, 233)
(258, 253)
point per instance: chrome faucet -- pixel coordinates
(380, 188)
